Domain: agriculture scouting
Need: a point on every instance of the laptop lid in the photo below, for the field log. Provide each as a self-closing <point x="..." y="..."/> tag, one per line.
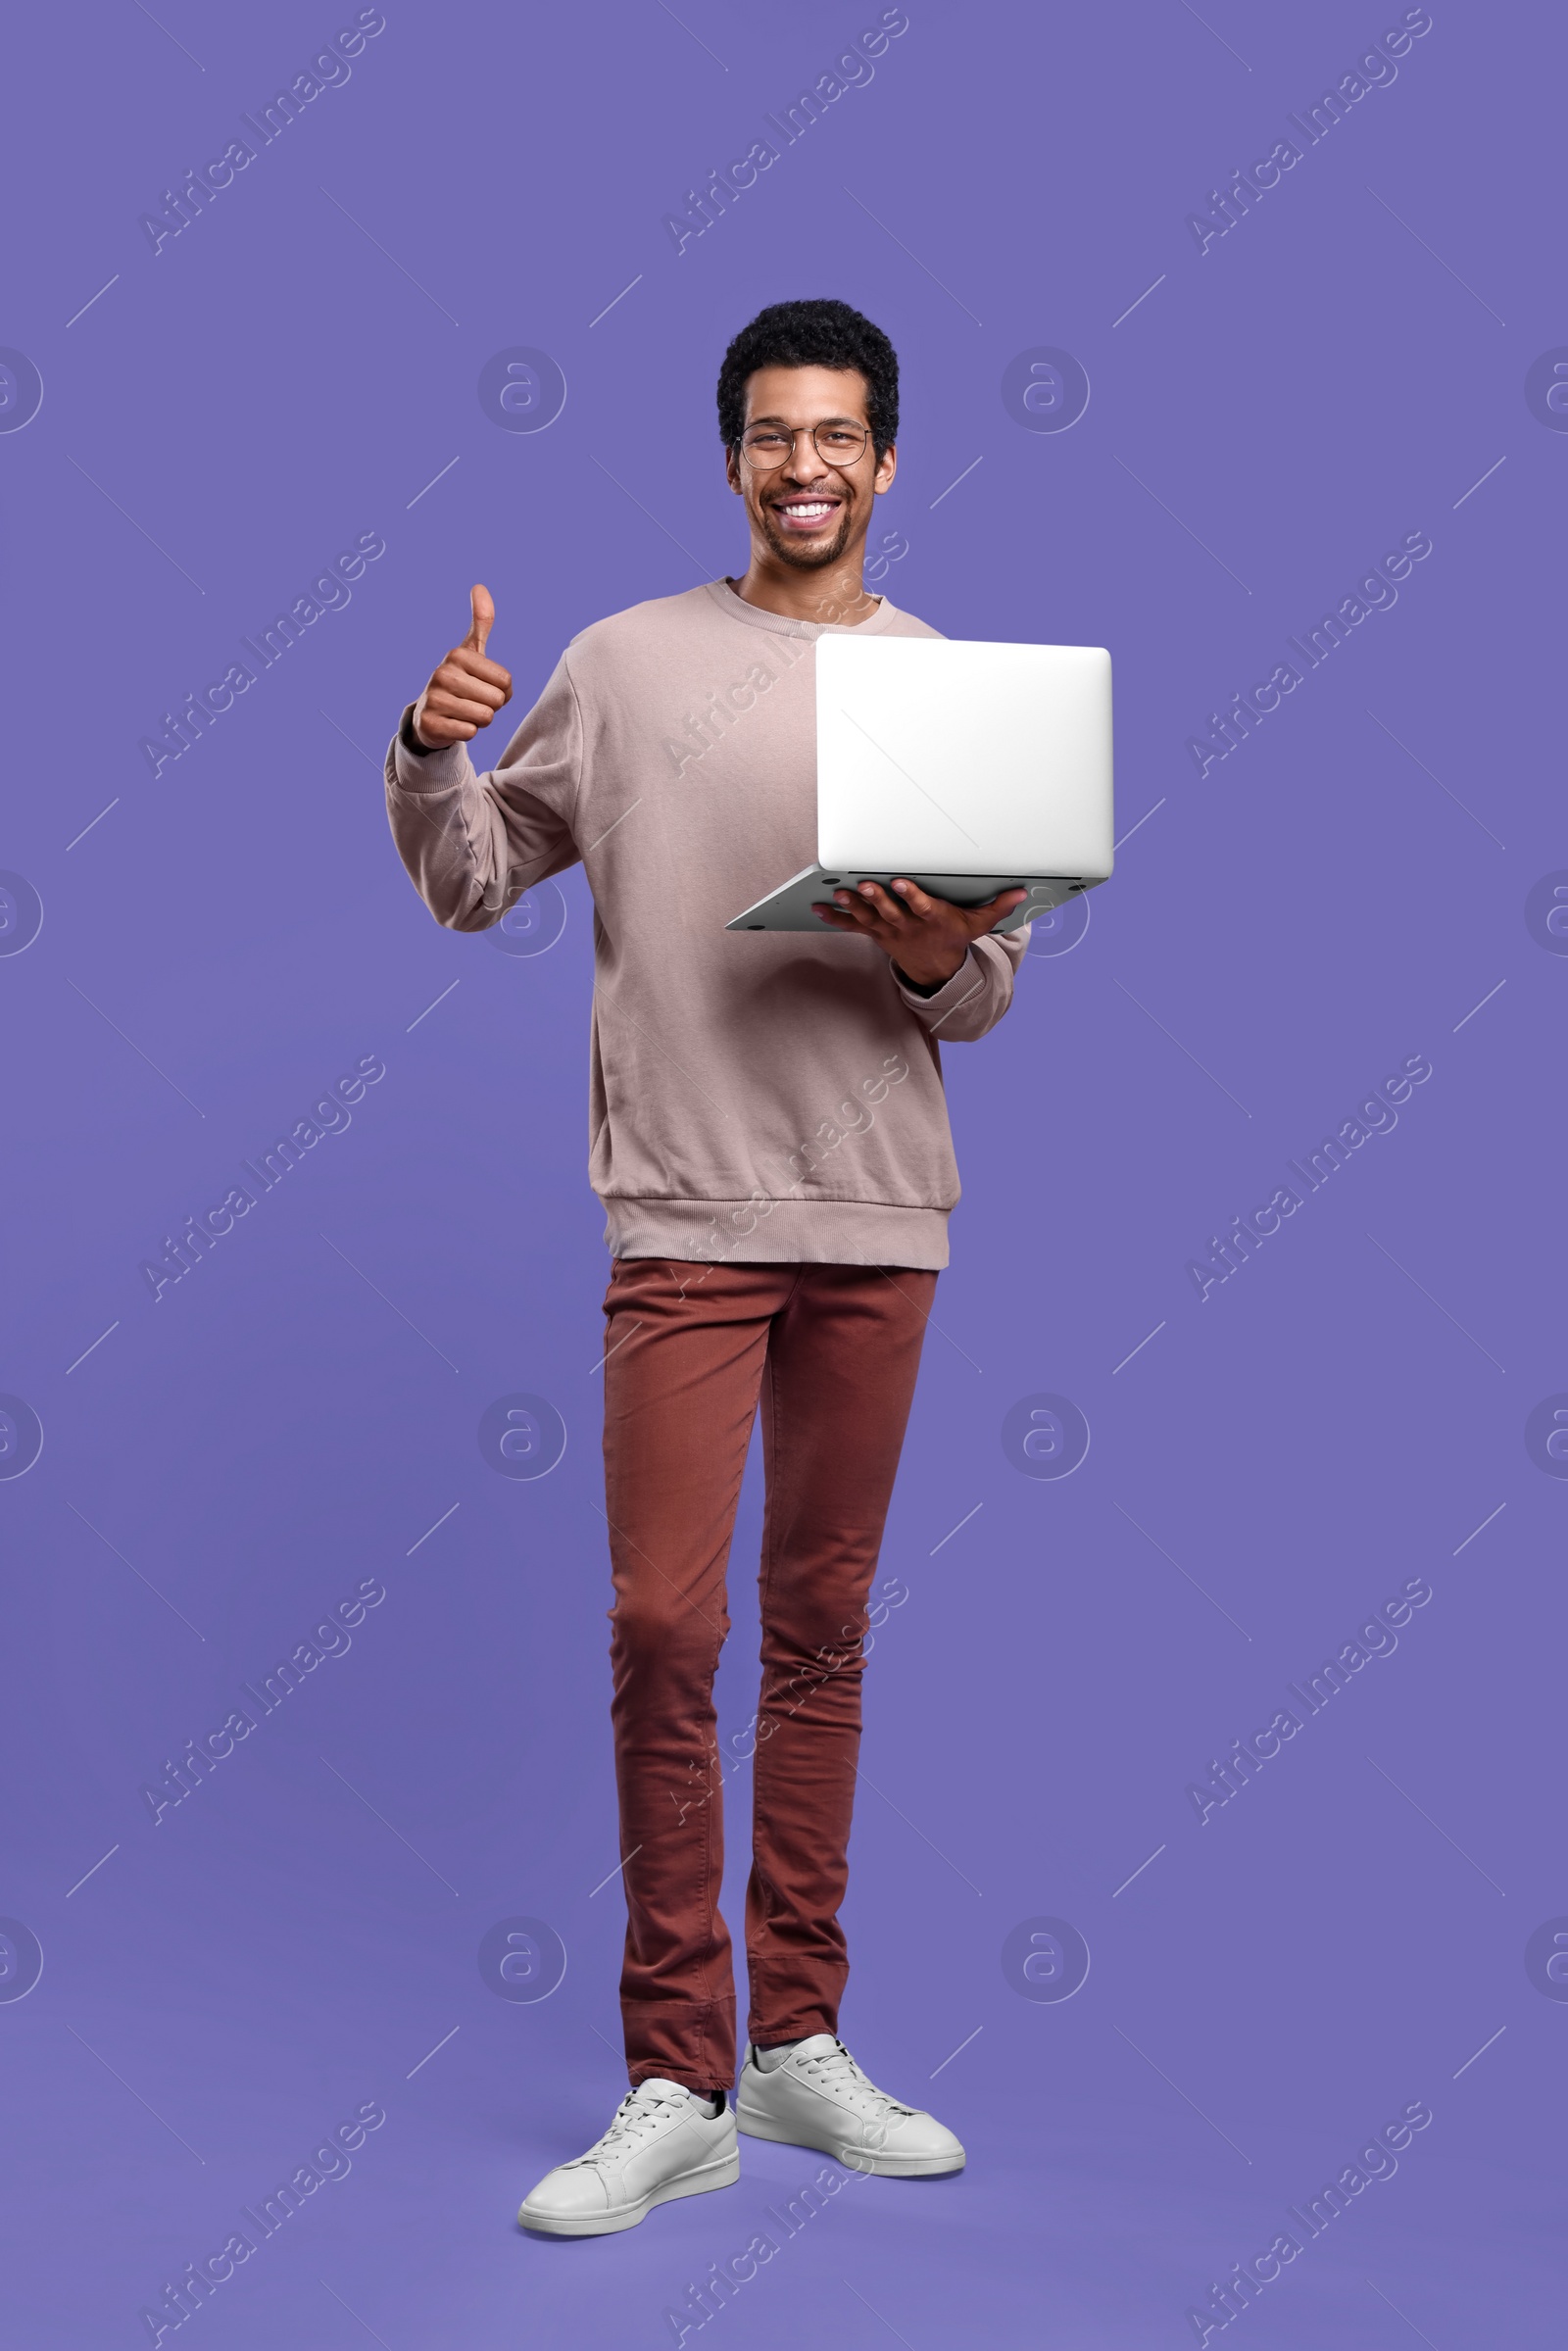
<point x="953" y="757"/>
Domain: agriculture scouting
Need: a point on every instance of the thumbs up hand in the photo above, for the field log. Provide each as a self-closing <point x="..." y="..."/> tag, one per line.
<point x="467" y="689"/>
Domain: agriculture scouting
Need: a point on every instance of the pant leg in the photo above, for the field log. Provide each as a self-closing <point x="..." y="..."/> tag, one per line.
<point x="837" y="1389"/>
<point x="684" y="1346"/>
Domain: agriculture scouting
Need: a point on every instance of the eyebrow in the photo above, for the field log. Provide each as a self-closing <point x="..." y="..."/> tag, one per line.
<point x="841" y="420"/>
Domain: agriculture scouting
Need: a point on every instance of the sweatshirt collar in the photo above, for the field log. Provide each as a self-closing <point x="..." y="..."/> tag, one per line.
<point x="736" y="607"/>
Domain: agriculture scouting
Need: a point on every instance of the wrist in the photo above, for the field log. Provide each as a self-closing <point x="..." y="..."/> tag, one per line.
<point x="926" y="982"/>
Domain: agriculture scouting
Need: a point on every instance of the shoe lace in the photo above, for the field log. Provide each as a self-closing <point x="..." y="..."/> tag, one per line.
<point x="836" y="2070"/>
<point x="637" y="2115"/>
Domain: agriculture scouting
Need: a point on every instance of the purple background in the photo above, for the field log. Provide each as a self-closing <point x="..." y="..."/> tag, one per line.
<point x="1275" y="1461"/>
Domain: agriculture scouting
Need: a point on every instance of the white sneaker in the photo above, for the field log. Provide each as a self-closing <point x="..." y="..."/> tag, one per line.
<point x="661" y="2144"/>
<point x="819" y="2098"/>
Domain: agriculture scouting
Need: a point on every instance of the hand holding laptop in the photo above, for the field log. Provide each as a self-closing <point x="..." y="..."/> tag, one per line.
<point x="927" y="938"/>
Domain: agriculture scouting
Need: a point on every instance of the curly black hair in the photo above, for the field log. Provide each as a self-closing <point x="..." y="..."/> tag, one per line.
<point x="811" y="334"/>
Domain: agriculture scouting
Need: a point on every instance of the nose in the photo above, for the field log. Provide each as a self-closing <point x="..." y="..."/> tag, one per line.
<point x="804" y="468"/>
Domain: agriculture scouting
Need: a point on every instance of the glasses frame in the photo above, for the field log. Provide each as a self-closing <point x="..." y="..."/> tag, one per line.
<point x="835" y="465"/>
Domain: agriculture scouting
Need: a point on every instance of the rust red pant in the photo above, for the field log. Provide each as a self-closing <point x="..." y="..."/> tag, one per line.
<point x="831" y="1353"/>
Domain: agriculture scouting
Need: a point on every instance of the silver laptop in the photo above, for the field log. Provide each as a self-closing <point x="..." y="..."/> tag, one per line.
<point x="967" y="768"/>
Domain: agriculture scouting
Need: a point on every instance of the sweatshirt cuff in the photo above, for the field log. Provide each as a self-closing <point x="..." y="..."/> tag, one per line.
<point x="416" y="769"/>
<point x="947" y="998"/>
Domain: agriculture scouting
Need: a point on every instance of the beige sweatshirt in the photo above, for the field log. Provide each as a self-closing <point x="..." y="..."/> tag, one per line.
<point x="754" y="1095"/>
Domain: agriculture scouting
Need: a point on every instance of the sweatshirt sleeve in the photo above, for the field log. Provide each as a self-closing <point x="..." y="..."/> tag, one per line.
<point x="979" y="991"/>
<point x="474" y="844"/>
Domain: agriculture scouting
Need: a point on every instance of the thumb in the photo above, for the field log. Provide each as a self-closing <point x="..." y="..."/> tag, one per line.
<point x="483" y="619"/>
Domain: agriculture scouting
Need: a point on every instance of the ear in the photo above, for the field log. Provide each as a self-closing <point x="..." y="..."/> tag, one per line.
<point x="733" y="472"/>
<point x="887" y="466"/>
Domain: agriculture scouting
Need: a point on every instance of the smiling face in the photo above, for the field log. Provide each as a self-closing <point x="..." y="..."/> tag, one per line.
<point x="815" y="508"/>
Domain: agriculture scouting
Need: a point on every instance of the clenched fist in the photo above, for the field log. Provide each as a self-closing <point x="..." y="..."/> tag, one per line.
<point x="467" y="691"/>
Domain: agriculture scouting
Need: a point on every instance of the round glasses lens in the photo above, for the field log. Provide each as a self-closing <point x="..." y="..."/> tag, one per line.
<point x="839" y="444"/>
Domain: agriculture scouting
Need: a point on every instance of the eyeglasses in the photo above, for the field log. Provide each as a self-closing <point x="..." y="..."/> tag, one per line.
<point x="765" y="447"/>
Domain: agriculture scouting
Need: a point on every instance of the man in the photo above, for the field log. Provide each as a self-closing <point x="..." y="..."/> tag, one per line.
<point x="769" y="1139"/>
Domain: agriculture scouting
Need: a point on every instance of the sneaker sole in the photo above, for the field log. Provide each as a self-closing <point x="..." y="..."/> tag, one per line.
<point x="722" y="2174"/>
<point x="854" y="2158"/>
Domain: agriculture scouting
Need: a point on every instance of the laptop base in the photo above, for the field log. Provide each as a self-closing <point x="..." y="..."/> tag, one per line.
<point x="789" y="908"/>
